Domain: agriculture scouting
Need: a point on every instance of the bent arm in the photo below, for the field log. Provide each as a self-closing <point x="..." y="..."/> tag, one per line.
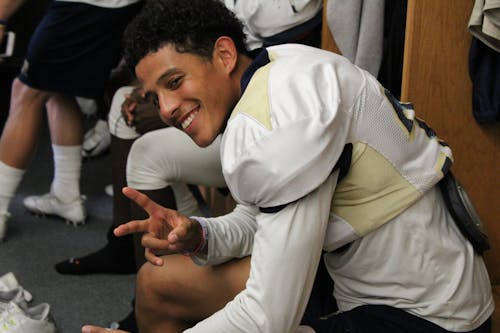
<point x="286" y="253"/>
<point x="229" y="236"/>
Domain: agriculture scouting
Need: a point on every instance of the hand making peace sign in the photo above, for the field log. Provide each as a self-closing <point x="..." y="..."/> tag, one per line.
<point x="166" y="231"/>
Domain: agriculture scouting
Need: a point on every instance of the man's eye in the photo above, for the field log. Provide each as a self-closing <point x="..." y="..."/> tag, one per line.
<point x="174" y="83"/>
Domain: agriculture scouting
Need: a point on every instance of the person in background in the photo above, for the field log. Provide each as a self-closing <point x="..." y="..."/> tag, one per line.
<point x="328" y="169"/>
<point x="63" y="61"/>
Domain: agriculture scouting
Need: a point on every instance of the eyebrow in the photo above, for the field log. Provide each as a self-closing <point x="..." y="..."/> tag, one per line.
<point x="167" y="73"/>
<point x="162" y="77"/>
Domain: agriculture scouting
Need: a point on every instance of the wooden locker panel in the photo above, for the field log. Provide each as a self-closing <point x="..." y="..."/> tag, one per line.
<point x="327" y="41"/>
<point x="436" y="80"/>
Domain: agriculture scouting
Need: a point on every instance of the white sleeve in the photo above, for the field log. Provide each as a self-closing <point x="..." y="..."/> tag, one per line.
<point x="229" y="236"/>
<point x="286" y="253"/>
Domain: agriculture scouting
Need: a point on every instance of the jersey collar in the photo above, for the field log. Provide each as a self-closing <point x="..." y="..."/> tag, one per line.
<point x="260" y="60"/>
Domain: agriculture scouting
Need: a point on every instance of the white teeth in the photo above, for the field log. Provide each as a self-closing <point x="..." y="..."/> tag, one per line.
<point x="188" y="120"/>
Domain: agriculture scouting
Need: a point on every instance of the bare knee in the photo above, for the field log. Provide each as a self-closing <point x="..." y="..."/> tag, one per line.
<point x="161" y="295"/>
<point x="23" y="94"/>
<point x="148" y="287"/>
<point x="178" y="294"/>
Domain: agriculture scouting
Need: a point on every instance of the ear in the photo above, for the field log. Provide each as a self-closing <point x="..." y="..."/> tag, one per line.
<point x="225" y="53"/>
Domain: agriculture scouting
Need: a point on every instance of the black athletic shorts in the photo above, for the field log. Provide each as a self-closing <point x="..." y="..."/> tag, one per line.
<point x="365" y="318"/>
<point x="75" y="47"/>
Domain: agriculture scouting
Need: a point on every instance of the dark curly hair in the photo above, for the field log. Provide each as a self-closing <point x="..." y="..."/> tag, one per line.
<point x="192" y="26"/>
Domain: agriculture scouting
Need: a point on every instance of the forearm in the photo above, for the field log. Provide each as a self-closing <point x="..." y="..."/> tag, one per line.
<point x="229" y="236"/>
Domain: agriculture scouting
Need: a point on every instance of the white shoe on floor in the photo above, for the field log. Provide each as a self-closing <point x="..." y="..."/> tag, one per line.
<point x="3" y="224"/>
<point x="15" y="295"/>
<point x="97" y="140"/>
<point x="18" y="318"/>
<point x="48" y="204"/>
<point x="9" y="282"/>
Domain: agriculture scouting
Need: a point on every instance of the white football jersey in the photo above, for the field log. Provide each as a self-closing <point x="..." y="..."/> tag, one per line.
<point x="303" y="113"/>
<point x="300" y="110"/>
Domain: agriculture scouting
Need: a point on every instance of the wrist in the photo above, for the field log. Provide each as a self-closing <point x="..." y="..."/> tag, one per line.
<point x="203" y="239"/>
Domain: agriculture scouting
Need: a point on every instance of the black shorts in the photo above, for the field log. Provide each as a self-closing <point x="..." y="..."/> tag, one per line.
<point x="75" y="47"/>
<point x="365" y="318"/>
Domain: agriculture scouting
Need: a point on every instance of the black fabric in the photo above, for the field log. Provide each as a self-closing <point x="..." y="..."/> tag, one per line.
<point x="464" y="214"/>
<point x="117" y="257"/>
<point x="308" y="33"/>
<point x="382" y="319"/>
<point x="391" y="68"/>
<point x="164" y="197"/>
<point x="75" y="47"/>
<point x="274" y="209"/>
<point x="204" y="207"/>
<point x="321" y="302"/>
<point x="344" y="162"/>
<point x="23" y="23"/>
<point x="261" y="59"/>
<point x="121" y="204"/>
<point x="484" y="69"/>
<point x="399" y="108"/>
<point x="323" y="316"/>
<point x="129" y="323"/>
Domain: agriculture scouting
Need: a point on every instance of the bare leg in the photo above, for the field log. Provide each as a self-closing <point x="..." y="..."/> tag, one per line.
<point x="178" y="294"/>
<point x="18" y="142"/>
<point x="65" y="121"/>
<point x="20" y="134"/>
<point x="66" y="132"/>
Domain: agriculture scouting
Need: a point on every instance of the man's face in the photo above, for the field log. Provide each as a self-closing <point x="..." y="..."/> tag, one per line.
<point x="194" y="94"/>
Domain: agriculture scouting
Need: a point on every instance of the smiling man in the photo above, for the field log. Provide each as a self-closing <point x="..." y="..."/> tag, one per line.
<point x="329" y="170"/>
<point x="194" y="93"/>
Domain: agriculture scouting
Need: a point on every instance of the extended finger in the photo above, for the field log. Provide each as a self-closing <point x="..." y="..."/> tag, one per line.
<point x="141" y="199"/>
<point x="131" y="227"/>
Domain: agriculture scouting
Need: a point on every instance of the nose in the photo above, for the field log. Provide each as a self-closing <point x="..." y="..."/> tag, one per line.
<point x="169" y="105"/>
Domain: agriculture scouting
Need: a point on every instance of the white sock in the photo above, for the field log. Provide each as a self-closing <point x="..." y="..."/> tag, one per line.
<point x="67" y="167"/>
<point x="9" y="181"/>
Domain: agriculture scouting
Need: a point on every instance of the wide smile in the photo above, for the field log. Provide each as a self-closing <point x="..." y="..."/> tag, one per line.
<point x="188" y="119"/>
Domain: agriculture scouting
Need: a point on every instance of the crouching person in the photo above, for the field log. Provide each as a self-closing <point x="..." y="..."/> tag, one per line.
<point x="328" y="169"/>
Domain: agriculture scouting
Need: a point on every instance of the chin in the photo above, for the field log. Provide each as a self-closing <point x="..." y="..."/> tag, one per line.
<point x="202" y="137"/>
<point x="202" y="142"/>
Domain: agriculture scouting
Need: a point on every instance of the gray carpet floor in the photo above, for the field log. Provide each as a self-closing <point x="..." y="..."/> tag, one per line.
<point x="34" y="244"/>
